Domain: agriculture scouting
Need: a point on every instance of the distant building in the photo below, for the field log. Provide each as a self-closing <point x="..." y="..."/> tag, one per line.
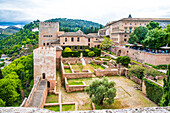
<point x="119" y="31"/>
<point x="35" y="29"/>
<point x="49" y="35"/>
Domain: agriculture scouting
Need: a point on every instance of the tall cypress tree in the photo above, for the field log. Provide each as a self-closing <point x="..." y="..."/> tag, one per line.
<point x="166" y="90"/>
<point x="1" y="76"/>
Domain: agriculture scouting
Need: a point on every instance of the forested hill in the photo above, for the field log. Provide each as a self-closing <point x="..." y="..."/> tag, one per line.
<point x="76" y="24"/>
<point x="11" y="45"/>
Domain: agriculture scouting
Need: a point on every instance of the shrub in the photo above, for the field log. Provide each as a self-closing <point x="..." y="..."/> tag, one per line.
<point x="123" y="60"/>
<point x="105" y="63"/>
<point x="67" y="49"/>
<point x="162" y="66"/>
<point x="91" y="53"/>
<point x="97" y="58"/>
<point x="152" y="72"/>
<point x="87" y="50"/>
<point x="137" y="71"/>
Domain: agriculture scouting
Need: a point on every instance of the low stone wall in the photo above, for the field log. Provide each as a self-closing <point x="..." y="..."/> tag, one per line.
<point x="73" y="75"/>
<point x="136" y="80"/>
<point x="73" y="88"/>
<point x="71" y="60"/>
<point x="106" y="72"/>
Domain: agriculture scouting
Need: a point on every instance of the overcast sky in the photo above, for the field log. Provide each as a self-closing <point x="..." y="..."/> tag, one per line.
<point x="101" y="11"/>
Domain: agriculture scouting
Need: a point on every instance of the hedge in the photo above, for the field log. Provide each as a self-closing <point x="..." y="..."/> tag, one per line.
<point x="77" y="53"/>
<point x="154" y="92"/>
<point x="158" y="66"/>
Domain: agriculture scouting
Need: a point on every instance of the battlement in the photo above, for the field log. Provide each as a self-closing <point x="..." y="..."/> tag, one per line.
<point x="45" y="50"/>
<point x="49" y="24"/>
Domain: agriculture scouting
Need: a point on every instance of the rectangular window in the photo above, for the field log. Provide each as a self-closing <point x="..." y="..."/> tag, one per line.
<point x="125" y="30"/>
<point x="75" y="47"/>
<point x="81" y="47"/>
<point x="47" y="44"/>
<point x="65" y="39"/>
<point x="78" y="39"/>
<point x="43" y="44"/>
<point x="130" y="30"/>
<point x="88" y="39"/>
<point x="72" y="39"/>
<point x="125" y="40"/>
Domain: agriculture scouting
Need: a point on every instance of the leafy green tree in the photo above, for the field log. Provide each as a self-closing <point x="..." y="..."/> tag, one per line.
<point x="106" y="43"/>
<point x="2" y="103"/>
<point x="91" y="53"/>
<point x="166" y="90"/>
<point x="87" y="50"/>
<point x="1" y="76"/>
<point x="137" y="71"/>
<point x="67" y="49"/>
<point x="123" y="60"/>
<point x="155" y="38"/>
<point x="152" y="72"/>
<point x="102" y="90"/>
<point x="153" y="25"/>
<point x="138" y="35"/>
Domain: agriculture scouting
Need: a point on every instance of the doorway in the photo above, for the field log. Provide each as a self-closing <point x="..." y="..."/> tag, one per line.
<point x="43" y="75"/>
<point x="48" y="84"/>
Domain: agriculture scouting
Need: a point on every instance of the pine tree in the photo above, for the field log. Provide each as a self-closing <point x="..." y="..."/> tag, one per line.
<point x="166" y="90"/>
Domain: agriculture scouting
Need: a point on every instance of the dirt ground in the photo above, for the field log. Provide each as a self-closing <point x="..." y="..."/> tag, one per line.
<point x="127" y="95"/>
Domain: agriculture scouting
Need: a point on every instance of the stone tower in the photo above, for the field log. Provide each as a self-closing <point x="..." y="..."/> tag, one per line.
<point x="48" y="33"/>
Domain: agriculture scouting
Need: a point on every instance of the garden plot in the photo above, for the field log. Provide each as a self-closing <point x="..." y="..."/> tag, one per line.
<point x="52" y="98"/>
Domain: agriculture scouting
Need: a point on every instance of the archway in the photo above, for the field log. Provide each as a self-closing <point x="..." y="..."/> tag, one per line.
<point x="48" y="84"/>
<point x="43" y="75"/>
<point x="119" y="52"/>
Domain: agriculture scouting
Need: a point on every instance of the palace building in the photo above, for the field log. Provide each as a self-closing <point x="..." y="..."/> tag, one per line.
<point x="49" y="35"/>
<point x="119" y="31"/>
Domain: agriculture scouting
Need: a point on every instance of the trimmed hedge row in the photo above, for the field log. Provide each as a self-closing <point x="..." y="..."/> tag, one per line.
<point x="77" y="53"/>
<point x="154" y="92"/>
<point x="158" y="66"/>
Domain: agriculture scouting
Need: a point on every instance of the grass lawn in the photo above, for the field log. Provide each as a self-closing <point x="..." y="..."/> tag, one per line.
<point x="67" y="70"/>
<point x="136" y="62"/>
<point x="68" y="107"/>
<point x="75" y="82"/>
<point x="66" y="65"/>
<point x="77" y="67"/>
<point x="95" y="66"/>
<point x="53" y="108"/>
<point x="52" y="98"/>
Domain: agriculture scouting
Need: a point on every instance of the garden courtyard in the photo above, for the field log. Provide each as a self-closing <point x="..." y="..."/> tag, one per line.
<point x="127" y="96"/>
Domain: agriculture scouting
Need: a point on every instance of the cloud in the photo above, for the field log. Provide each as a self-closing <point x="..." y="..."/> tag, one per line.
<point x="93" y="10"/>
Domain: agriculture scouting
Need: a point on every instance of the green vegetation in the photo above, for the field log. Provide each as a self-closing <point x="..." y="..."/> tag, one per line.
<point x="85" y="53"/>
<point x="95" y="66"/>
<point x="17" y="80"/>
<point x="153" y="91"/>
<point x="101" y="90"/>
<point x="67" y="49"/>
<point x="67" y="70"/>
<point x="106" y="43"/>
<point x="68" y="107"/>
<point x="75" y="83"/>
<point x="52" y="98"/>
<point x="158" y="66"/>
<point x="166" y="90"/>
<point x="152" y="36"/>
<point x="91" y="53"/>
<point x="136" y="70"/>
<point x="53" y="108"/>
<point x="136" y="62"/>
<point x="73" y="25"/>
<point x="123" y="60"/>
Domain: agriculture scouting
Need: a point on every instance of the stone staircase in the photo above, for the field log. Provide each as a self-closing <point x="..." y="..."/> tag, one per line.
<point x="38" y="95"/>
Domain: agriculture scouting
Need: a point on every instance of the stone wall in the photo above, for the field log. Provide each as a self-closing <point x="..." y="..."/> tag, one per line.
<point x="143" y="57"/>
<point x="73" y="88"/>
<point x="73" y="75"/>
<point x="106" y="72"/>
<point x="136" y="80"/>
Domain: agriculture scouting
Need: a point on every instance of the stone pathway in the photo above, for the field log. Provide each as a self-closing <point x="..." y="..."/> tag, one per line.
<point x="37" y="97"/>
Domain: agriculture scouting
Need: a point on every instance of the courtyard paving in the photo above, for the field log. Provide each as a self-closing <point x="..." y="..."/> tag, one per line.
<point x="127" y="95"/>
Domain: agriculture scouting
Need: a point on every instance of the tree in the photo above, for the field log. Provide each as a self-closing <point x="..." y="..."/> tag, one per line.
<point x="67" y="49"/>
<point x="101" y="90"/>
<point x="152" y="72"/>
<point x="1" y="76"/>
<point x="155" y="38"/>
<point x="138" y="35"/>
<point x="106" y="43"/>
<point x="166" y="90"/>
<point x="137" y="71"/>
<point x="91" y="53"/>
<point x="123" y="60"/>
<point x="153" y="25"/>
<point x="2" y="103"/>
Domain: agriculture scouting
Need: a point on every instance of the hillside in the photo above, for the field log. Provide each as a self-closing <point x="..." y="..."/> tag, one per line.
<point x="11" y="45"/>
<point x="9" y="30"/>
<point x="76" y="24"/>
